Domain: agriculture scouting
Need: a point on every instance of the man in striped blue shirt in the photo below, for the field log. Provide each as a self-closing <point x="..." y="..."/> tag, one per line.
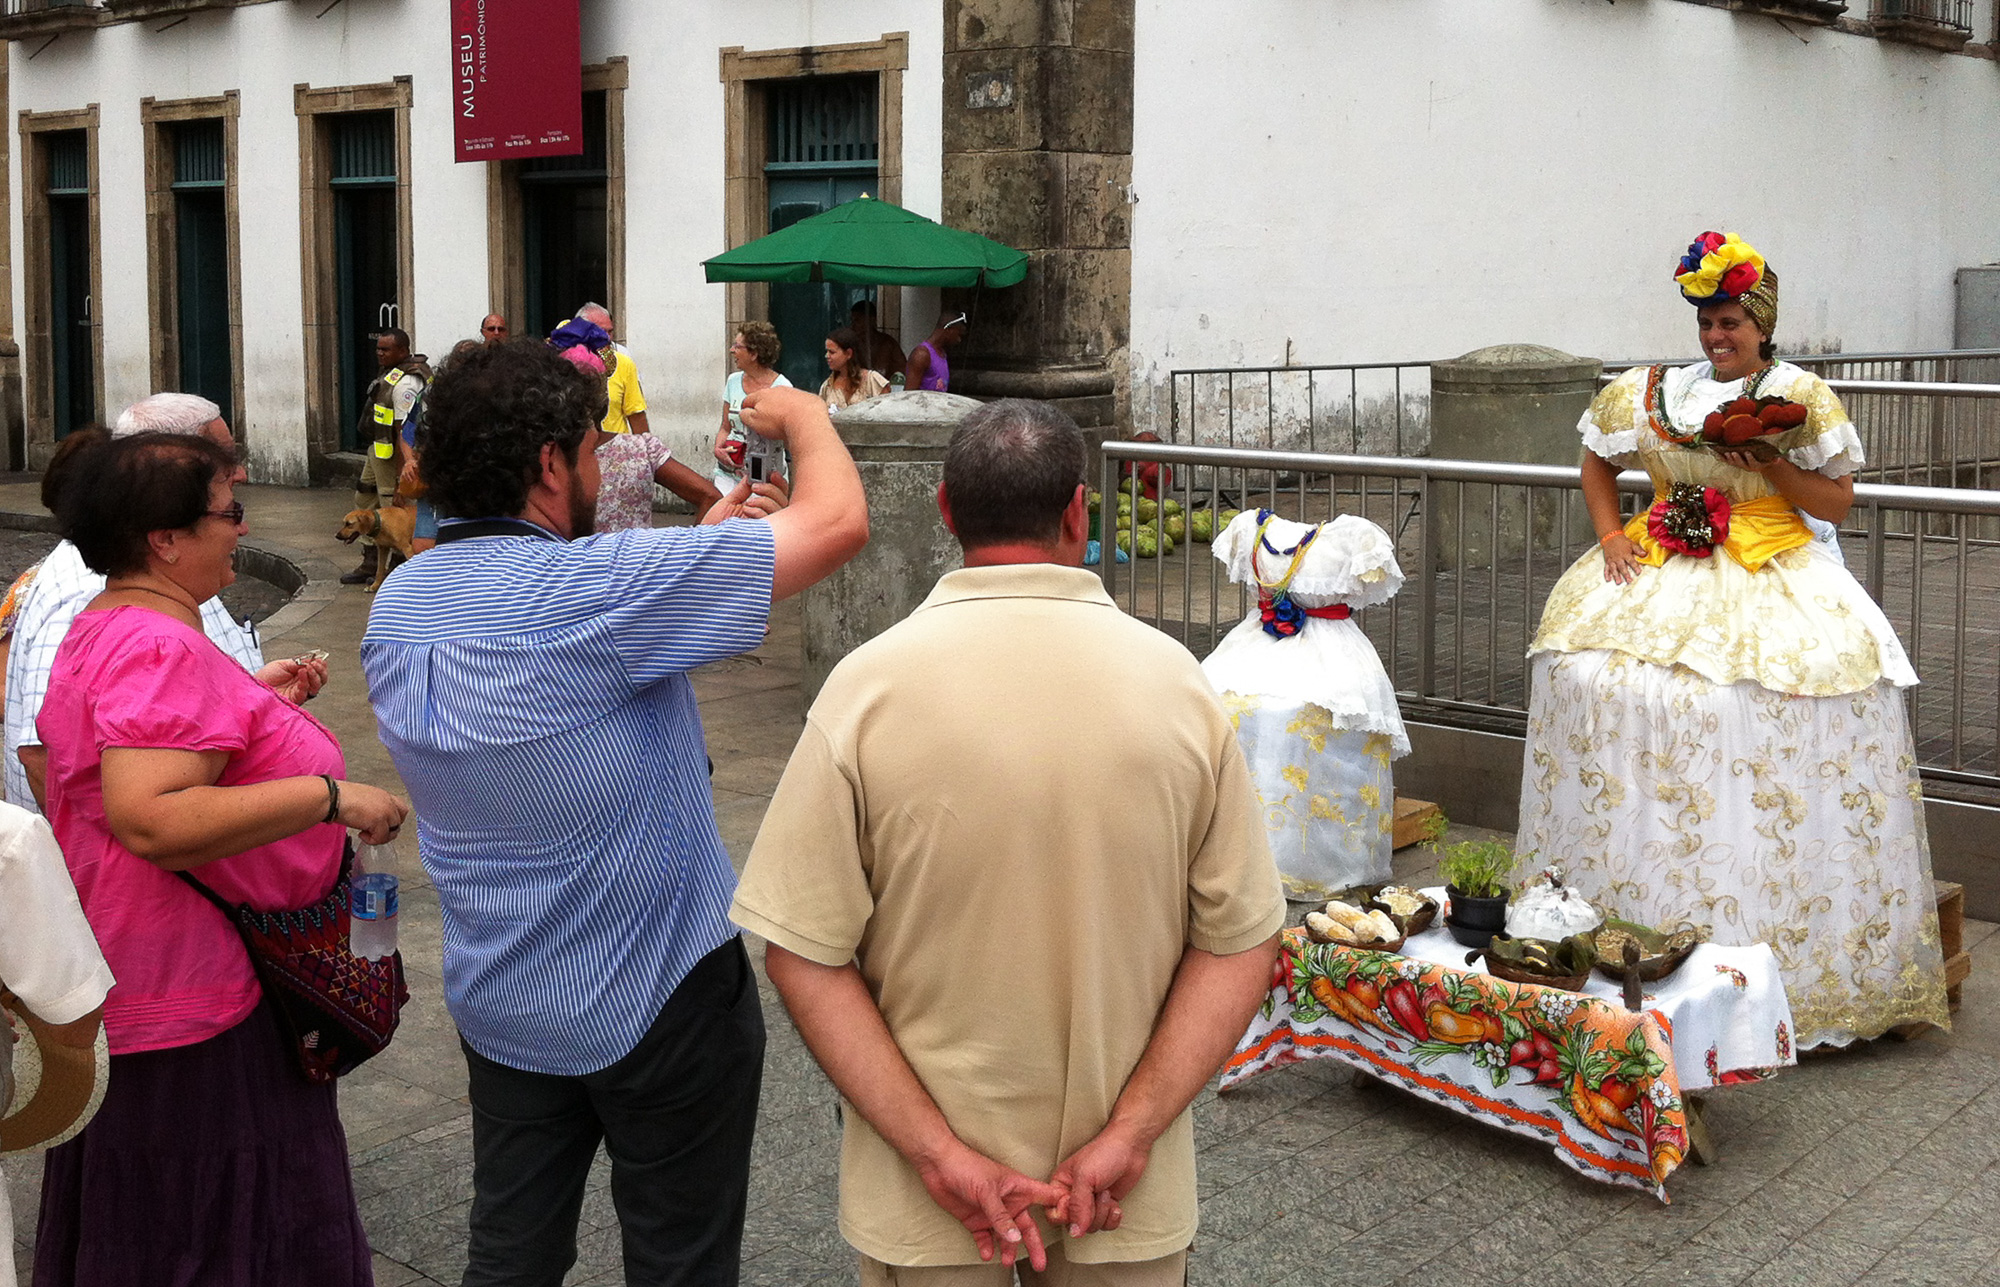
<point x="530" y="681"/>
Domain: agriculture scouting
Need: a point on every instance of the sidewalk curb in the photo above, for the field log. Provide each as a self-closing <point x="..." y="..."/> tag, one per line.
<point x="311" y="580"/>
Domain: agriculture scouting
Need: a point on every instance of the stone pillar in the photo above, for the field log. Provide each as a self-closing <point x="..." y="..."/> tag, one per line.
<point x="1511" y="402"/>
<point x="898" y="443"/>
<point x="1038" y="154"/>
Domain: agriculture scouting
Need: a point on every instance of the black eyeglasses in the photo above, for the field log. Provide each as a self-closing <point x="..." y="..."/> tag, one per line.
<point x="234" y="513"/>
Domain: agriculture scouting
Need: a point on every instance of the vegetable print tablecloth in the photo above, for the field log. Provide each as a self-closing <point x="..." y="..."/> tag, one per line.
<point x="1600" y="1082"/>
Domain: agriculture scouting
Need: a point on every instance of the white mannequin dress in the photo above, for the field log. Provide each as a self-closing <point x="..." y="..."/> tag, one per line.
<point x="1315" y="712"/>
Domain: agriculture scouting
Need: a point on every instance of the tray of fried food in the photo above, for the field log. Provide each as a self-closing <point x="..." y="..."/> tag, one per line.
<point x="1760" y="427"/>
<point x="1661" y="952"/>
<point x="1346" y="925"/>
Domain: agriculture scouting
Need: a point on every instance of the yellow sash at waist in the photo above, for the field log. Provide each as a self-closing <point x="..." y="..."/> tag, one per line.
<point x="1759" y="531"/>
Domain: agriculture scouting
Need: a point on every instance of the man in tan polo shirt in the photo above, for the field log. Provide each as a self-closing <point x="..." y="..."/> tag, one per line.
<point x="1018" y="899"/>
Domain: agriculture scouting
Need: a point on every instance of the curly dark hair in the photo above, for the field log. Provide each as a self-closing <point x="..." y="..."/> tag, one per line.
<point x="761" y="338"/>
<point x="1011" y="469"/>
<point x="120" y="490"/>
<point x="487" y="416"/>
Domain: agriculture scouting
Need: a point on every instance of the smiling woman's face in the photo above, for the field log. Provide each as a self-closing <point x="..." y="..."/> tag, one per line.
<point x="1730" y="340"/>
<point x="207" y="560"/>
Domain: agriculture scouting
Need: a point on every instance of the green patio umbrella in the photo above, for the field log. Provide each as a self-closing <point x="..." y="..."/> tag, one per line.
<point x="866" y="242"/>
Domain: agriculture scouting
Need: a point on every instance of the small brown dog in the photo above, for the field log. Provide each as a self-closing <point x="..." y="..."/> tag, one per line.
<point x="393" y="529"/>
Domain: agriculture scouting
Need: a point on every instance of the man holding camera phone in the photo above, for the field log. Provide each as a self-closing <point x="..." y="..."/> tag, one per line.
<point x="532" y="688"/>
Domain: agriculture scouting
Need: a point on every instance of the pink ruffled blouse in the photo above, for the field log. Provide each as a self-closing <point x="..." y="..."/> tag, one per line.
<point x="132" y="677"/>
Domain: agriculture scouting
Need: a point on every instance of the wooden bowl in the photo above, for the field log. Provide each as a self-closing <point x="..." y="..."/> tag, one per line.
<point x="1655" y="964"/>
<point x="1501" y="968"/>
<point x="1368" y="898"/>
<point x="1393" y="945"/>
<point x="1416" y="922"/>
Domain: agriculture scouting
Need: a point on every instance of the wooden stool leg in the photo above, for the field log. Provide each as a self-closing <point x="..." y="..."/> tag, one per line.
<point x="1701" y="1148"/>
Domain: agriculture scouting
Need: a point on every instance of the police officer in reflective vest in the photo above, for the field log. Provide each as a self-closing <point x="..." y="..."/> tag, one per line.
<point x="402" y="381"/>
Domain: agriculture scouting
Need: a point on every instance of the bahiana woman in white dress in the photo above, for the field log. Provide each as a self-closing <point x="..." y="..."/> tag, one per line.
<point x="1314" y="711"/>
<point x="1720" y="739"/>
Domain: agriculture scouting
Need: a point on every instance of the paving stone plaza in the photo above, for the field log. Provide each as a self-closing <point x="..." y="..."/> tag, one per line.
<point x="1880" y="1164"/>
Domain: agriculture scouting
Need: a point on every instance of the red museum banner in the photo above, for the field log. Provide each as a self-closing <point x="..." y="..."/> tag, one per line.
<point x="516" y="79"/>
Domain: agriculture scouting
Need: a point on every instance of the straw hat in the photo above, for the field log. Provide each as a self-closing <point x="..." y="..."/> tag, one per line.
<point x="56" y="1088"/>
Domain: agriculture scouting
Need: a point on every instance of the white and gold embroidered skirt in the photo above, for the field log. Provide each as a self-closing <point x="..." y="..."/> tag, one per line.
<point x="1757" y="815"/>
<point x="1328" y="794"/>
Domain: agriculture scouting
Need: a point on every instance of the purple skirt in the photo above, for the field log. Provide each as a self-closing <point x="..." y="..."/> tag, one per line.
<point x="211" y="1165"/>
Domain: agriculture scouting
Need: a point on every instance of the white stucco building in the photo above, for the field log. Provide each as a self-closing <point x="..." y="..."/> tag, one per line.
<point x="230" y="195"/>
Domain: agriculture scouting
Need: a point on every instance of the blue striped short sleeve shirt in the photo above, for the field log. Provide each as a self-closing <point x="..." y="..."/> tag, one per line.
<point x="534" y="696"/>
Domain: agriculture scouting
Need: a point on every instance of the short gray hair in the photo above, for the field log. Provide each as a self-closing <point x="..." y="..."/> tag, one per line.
<point x="182" y="413"/>
<point x="1011" y="469"/>
<point x="592" y="307"/>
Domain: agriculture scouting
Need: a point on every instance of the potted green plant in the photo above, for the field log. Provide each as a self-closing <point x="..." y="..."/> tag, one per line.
<point x="1477" y="875"/>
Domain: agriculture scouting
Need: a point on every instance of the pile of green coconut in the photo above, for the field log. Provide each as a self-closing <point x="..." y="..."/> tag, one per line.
<point x="1150" y="529"/>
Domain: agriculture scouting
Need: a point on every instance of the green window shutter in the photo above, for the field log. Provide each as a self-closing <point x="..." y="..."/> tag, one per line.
<point x="822" y="123"/>
<point x="198" y="156"/>
<point x="364" y="148"/>
<point x="69" y="163"/>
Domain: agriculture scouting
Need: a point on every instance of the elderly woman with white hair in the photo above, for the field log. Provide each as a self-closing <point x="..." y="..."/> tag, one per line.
<point x="64" y="585"/>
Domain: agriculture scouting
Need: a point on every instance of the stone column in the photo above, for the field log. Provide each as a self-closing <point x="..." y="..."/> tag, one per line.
<point x="1511" y="402"/>
<point x="897" y="442"/>
<point x="1038" y="154"/>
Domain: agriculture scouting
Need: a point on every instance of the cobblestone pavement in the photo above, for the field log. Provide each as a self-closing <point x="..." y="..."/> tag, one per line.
<point x="1880" y="1164"/>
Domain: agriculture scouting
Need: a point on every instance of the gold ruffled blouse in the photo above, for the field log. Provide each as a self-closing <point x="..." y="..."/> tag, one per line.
<point x="1798" y="624"/>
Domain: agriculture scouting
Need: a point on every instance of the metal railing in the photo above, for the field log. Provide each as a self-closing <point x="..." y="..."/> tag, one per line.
<point x="1924" y="434"/>
<point x="1481" y="545"/>
<point x="1364" y="408"/>
<point x="1952" y="15"/>
<point x="1927" y="419"/>
<point x="1940" y="366"/>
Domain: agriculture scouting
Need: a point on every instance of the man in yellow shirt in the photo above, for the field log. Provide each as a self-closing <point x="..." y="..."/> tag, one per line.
<point x="625" y="409"/>
<point x="1018" y="899"/>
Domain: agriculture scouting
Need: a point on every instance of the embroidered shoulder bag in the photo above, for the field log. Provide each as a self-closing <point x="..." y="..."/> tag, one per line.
<point x="339" y="1010"/>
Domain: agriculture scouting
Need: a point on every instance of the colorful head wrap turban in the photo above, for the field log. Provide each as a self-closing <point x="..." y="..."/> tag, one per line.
<point x="1721" y="268"/>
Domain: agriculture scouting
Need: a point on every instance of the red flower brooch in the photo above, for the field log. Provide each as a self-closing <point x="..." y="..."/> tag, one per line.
<point x="1692" y="520"/>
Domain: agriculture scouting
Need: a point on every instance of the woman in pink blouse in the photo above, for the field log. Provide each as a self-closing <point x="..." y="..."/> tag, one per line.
<point x="213" y="1159"/>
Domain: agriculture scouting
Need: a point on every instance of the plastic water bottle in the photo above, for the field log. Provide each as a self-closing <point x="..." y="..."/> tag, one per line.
<point x="371" y="931"/>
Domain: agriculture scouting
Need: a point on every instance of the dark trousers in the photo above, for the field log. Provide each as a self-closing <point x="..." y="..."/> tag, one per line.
<point x="676" y="1115"/>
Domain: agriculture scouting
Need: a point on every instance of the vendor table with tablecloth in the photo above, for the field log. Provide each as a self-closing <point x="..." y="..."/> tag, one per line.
<point x="1604" y="1084"/>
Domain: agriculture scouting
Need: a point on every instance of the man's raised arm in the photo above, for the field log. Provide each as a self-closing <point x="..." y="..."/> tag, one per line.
<point x="826" y="523"/>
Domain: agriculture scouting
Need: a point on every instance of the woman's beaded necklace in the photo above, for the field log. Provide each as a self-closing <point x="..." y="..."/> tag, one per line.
<point x="1662" y="418"/>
